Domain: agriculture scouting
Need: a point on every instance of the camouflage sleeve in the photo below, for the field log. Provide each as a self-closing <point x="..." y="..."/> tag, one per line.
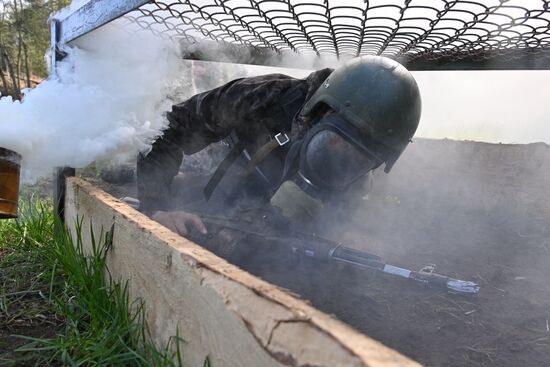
<point x="239" y="105"/>
<point x="201" y="120"/>
<point x="156" y="170"/>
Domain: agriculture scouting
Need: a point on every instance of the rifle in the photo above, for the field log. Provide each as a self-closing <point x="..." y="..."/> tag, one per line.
<point x="319" y="248"/>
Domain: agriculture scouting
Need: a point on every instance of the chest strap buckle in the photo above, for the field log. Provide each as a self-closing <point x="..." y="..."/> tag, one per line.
<point x="282" y="139"/>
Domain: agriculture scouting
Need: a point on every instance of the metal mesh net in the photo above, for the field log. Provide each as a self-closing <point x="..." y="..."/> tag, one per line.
<point x="407" y="29"/>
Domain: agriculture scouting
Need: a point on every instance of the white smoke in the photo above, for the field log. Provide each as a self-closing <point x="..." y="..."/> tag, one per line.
<point x="108" y="100"/>
<point x="489" y="106"/>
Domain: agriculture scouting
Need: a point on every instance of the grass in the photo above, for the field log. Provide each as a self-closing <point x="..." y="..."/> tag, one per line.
<point x="50" y="287"/>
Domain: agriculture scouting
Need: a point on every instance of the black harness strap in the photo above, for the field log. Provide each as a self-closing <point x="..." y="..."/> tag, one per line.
<point x="289" y="102"/>
<point x="222" y="168"/>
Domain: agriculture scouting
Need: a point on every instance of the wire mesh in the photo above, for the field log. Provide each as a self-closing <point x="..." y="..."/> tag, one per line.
<point x="400" y="29"/>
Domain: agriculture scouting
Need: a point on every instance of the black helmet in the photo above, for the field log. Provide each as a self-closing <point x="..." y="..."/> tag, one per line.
<point x="379" y="98"/>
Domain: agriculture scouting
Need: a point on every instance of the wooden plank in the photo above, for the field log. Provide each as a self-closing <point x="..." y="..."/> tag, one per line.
<point x="219" y="309"/>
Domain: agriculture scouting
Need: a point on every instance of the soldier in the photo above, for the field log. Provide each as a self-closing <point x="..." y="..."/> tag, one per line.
<point x="294" y="143"/>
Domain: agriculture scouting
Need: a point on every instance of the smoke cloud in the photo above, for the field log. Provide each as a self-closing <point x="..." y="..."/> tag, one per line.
<point x="108" y="100"/>
<point x="487" y="106"/>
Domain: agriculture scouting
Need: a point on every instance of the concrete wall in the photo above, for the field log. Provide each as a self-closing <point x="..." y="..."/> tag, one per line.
<point x="220" y="311"/>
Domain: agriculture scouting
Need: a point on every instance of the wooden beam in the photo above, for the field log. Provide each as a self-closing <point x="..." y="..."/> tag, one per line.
<point x="218" y="309"/>
<point x="521" y="59"/>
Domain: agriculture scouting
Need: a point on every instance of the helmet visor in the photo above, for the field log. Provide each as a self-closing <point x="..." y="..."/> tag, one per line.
<point x="334" y="162"/>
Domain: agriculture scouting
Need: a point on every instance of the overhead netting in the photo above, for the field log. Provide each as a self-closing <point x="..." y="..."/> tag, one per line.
<point x="406" y="29"/>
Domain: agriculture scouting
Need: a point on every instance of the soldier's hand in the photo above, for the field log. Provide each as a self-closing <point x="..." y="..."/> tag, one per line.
<point x="179" y="221"/>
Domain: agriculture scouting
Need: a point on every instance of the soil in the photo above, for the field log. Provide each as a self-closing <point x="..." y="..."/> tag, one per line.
<point x="28" y="317"/>
<point x="479" y="212"/>
<point x="505" y="325"/>
<point x="10" y="340"/>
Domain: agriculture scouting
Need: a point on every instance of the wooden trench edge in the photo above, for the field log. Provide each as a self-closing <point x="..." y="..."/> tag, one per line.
<point x="361" y="348"/>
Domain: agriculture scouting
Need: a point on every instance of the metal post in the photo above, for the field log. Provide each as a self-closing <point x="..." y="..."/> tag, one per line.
<point x="59" y="188"/>
<point x="61" y="173"/>
<point x="55" y="55"/>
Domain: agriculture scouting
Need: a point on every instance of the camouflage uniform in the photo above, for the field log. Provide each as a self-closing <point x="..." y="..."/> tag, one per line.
<point x="253" y="109"/>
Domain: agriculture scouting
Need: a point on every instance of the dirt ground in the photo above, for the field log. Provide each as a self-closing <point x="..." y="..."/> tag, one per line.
<point x="479" y="212"/>
<point x="10" y="340"/>
<point x="505" y="325"/>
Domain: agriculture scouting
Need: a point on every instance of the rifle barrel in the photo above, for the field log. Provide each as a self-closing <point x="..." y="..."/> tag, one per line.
<point x="324" y="249"/>
<point x="452" y="285"/>
<point x="340" y="253"/>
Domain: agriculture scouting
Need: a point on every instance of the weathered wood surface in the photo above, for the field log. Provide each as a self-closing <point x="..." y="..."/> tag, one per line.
<point x="219" y="310"/>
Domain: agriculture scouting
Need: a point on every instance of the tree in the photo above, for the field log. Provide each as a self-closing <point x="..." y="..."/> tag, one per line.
<point x="24" y="40"/>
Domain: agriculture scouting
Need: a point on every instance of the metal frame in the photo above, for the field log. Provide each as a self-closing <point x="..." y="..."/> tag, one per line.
<point x="498" y="60"/>
<point x="511" y="60"/>
<point x="93" y="15"/>
<point x="96" y="13"/>
<point x="61" y="173"/>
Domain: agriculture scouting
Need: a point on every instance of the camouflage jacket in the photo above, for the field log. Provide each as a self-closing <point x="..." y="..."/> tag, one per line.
<point x="252" y="108"/>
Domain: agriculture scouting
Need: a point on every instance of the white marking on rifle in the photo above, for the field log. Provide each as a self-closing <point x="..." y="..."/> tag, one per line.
<point x="396" y="271"/>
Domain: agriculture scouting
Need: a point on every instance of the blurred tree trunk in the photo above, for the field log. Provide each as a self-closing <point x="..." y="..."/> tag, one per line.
<point x="15" y="92"/>
<point x="18" y="25"/>
<point x="18" y="63"/>
<point x="25" y="50"/>
<point x="3" y="67"/>
<point x="24" y="39"/>
<point x="27" y="67"/>
<point x="3" y="63"/>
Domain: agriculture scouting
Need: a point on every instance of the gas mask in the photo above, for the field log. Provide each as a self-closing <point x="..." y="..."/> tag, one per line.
<point x="334" y="154"/>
